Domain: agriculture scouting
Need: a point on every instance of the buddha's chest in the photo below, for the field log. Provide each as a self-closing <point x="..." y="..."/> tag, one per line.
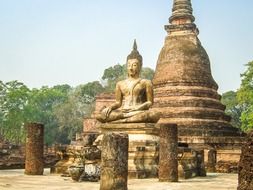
<point x="133" y="89"/>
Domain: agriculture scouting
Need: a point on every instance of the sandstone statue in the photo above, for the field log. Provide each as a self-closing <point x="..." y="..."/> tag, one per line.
<point x="134" y="96"/>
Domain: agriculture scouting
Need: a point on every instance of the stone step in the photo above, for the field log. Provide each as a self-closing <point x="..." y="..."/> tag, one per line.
<point x="188" y="101"/>
<point x="194" y="113"/>
<point x="178" y="91"/>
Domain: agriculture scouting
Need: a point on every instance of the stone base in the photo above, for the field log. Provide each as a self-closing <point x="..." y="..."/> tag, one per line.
<point x="205" y="142"/>
<point x="143" y="147"/>
<point x="62" y="166"/>
<point x="190" y="163"/>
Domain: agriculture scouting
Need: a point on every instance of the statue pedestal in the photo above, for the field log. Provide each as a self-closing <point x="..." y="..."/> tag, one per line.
<point x="143" y="147"/>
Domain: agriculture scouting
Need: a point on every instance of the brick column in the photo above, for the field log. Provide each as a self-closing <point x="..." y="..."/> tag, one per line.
<point x="245" y="167"/>
<point x="114" y="163"/>
<point x="168" y="164"/>
<point x="34" y="161"/>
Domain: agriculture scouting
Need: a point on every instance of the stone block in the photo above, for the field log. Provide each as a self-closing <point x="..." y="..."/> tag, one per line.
<point x="114" y="163"/>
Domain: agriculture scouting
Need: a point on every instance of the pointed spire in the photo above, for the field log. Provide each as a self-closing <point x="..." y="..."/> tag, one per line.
<point x="182" y="10"/>
<point x="182" y="18"/>
<point x="135" y="53"/>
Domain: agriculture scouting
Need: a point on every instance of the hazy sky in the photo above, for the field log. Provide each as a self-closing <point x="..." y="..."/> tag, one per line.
<point x="50" y="42"/>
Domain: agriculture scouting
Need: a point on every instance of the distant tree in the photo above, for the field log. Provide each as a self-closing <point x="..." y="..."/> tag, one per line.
<point x="69" y="116"/>
<point x="112" y="75"/>
<point x="233" y="108"/>
<point x="40" y="109"/>
<point x="147" y="73"/>
<point x="245" y="97"/>
<point x="88" y="91"/>
<point x="14" y="96"/>
<point x="80" y="104"/>
<point x="115" y="72"/>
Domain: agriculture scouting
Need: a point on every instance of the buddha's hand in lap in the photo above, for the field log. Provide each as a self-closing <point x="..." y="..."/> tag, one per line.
<point x="106" y="112"/>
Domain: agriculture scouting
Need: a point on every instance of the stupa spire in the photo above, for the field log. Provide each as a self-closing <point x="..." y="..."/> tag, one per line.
<point x="182" y="19"/>
<point x="182" y="10"/>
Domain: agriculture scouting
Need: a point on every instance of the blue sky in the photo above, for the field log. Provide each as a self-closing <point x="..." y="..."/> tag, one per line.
<point x="50" y="42"/>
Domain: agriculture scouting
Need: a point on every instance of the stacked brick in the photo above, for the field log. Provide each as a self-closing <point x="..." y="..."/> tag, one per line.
<point x="168" y="164"/>
<point x="226" y="167"/>
<point x="11" y="156"/>
<point x="34" y="161"/>
<point x="245" y="177"/>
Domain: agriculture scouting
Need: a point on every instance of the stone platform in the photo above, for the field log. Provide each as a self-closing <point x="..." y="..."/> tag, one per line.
<point x="16" y="180"/>
<point x="143" y="147"/>
<point x="144" y="151"/>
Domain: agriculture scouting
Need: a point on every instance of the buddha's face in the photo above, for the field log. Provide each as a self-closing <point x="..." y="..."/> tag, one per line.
<point x="133" y="67"/>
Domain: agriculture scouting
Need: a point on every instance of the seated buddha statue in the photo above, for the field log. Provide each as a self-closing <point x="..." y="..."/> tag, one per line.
<point x="134" y="96"/>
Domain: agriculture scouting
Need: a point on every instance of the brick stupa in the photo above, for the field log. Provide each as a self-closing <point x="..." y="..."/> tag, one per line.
<point x="184" y="89"/>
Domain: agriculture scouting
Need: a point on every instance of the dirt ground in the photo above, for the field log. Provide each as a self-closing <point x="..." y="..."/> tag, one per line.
<point x="16" y="180"/>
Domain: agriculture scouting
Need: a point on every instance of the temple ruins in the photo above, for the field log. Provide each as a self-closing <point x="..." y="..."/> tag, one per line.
<point x="186" y="93"/>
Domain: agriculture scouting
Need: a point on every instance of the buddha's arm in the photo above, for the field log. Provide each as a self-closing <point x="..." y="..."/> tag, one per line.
<point x="118" y="102"/>
<point x="118" y="97"/>
<point x="149" y="93"/>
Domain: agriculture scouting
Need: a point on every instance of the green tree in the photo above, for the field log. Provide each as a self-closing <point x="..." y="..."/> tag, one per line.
<point x="112" y="75"/>
<point x="70" y="116"/>
<point x="80" y="104"/>
<point x="14" y="96"/>
<point x="147" y="73"/>
<point x="245" y="97"/>
<point x="233" y="108"/>
<point x="40" y="109"/>
<point x="88" y="91"/>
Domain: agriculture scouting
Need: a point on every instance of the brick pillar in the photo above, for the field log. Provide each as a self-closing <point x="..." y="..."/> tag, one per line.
<point x="34" y="161"/>
<point x="168" y="164"/>
<point x="114" y="162"/>
<point x="245" y="167"/>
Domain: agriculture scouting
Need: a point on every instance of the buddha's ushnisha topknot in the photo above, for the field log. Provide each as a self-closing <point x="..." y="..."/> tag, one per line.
<point x="135" y="54"/>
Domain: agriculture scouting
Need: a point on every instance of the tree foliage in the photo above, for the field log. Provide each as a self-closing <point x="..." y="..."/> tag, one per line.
<point x="112" y="75"/>
<point x="20" y="105"/>
<point x="13" y="100"/>
<point x="40" y="108"/>
<point x="233" y="108"/>
<point x="80" y="104"/>
<point x="245" y="97"/>
<point x="147" y="73"/>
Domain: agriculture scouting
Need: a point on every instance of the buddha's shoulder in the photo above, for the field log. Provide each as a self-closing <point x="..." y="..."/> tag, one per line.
<point x="121" y="82"/>
<point x="142" y="81"/>
<point x="146" y="81"/>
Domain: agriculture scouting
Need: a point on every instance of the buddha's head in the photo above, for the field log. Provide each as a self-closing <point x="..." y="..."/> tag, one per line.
<point x="134" y="62"/>
<point x="133" y="67"/>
